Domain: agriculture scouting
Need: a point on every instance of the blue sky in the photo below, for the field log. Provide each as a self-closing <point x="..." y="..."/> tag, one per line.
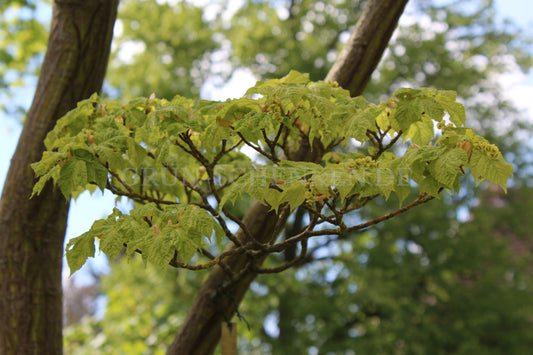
<point x="520" y="11"/>
<point x="86" y="209"/>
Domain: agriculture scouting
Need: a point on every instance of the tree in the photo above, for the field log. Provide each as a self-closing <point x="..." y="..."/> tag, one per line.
<point x="172" y="57"/>
<point x="32" y="231"/>
<point x="80" y="153"/>
<point x="96" y="141"/>
<point x="200" y="331"/>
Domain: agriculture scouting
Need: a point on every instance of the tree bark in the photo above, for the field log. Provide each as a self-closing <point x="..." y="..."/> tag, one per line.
<point x="368" y="40"/>
<point x="32" y="231"/>
<point x="200" y="332"/>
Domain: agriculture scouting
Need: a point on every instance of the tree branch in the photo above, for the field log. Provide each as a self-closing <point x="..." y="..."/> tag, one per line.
<point x="200" y="332"/>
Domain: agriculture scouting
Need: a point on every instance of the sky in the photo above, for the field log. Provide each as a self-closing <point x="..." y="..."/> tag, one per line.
<point x="520" y="11"/>
<point x="88" y="208"/>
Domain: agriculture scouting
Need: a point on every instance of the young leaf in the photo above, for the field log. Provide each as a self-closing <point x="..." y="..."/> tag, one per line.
<point x="448" y="165"/>
<point x="294" y="195"/>
<point x="421" y="132"/>
<point x="39" y="186"/>
<point x="408" y="110"/>
<point x="365" y="120"/>
<point x="430" y="186"/>
<point x="78" y="250"/>
<point x="73" y="174"/>
<point x="484" y="167"/>
<point x="456" y="110"/>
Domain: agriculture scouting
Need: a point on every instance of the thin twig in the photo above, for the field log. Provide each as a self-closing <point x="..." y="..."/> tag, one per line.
<point x="258" y="149"/>
<point x="423" y="198"/>
<point x="287" y="265"/>
<point x="137" y="197"/>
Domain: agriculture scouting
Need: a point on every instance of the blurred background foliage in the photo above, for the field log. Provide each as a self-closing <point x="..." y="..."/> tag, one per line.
<point x="453" y="277"/>
<point x="23" y="38"/>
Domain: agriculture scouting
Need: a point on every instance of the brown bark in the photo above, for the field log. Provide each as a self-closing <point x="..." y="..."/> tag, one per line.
<point x="229" y="338"/>
<point x="32" y="231"/>
<point x="200" y="332"/>
<point x="362" y="53"/>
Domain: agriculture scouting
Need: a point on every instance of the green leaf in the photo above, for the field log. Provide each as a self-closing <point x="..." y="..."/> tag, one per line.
<point x="340" y="178"/>
<point x="415" y="161"/>
<point x="483" y="167"/>
<point x="364" y="120"/>
<point x="407" y="113"/>
<point x="448" y="165"/>
<point x="294" y="195"/>
<point x="78" y="250"/>
<point x="214" y="134"/>
<point x="96" y="173"/>
<point x="47" y="162"/>
<point x="256" y="183"/>
<point x="157" y="248"/>
<point x="231" y="193"/>
<point x="384" y="180"/>
<point x="456" y="110"/>
<point x="420" y="132"/>
<point x="293" y="170"/>
<point x="429" y="107"/>
<point x="250" y="125"/>
<point x="112" y="156"/>
<point x="185" y="246"/>
<point x="113" y="232"/>
<point x="295" y="77"/>
<point x="39" y="186"/>
<point x="162" y="151"/>
<point x="430" y="186"/>
<point x="73" y="174"/>
<point x="402" y="191"/>
<point x="83" y="154"/>
<point x="136" y="153"/>
<point x="272" y="198"/>
<point x="196" y="219"/>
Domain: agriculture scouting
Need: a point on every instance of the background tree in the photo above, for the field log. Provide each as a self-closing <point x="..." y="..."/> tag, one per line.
<point x="22" y="44"/>
<point x="171" y="48"/>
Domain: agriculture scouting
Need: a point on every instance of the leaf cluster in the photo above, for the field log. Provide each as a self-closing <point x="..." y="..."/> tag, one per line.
<point x="184" y="161"/>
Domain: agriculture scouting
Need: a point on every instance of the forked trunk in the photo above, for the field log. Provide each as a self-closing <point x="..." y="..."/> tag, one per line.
<point x="200" y="332"/>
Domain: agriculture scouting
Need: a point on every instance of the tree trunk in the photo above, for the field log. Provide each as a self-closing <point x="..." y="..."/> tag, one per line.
<point x="32" y="231"/>
<point x="362" y="53"/>
<point x="200" y="332"/>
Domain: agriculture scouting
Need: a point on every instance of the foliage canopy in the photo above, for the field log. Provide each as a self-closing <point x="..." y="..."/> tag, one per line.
<point x="182" y="162"/>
